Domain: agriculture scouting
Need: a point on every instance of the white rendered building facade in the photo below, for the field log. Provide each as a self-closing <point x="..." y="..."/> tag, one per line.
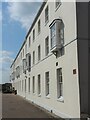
<point x="46" y="69"/>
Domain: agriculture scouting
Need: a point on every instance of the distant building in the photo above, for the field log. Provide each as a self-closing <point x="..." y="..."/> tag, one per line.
<point x="52" y="67"/>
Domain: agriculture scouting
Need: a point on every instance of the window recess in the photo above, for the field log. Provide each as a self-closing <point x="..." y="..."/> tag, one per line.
<point x="56" y="35"/>
<point x="47" y="83"/>
<point x="18" y="72"/>
<point x="59" y="84"/>
<point x="13" y="76"/>
<point x="24" y="66"/>
<point x="28" y="62"/>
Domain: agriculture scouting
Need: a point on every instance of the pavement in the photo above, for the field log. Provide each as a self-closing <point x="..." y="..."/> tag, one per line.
<point x="14" y="106"/>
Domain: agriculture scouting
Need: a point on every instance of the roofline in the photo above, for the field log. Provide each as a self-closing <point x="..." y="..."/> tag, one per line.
<point x="38" y="14"/>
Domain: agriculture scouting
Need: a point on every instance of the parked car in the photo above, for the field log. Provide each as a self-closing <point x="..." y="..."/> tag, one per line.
<point x="7" y="88"/>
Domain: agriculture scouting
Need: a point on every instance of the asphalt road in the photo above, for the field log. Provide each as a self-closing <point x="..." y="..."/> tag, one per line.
<point x="14" y="106"/>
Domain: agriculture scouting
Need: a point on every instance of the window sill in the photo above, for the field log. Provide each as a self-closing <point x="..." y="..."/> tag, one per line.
<point x="57" y="7"/>
<point x="39" y="95"/>
<point x="48" y="96"/>
<point x="61" y="99"/>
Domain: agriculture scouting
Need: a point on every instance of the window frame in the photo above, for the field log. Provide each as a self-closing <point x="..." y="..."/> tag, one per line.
<point x="29" y="41"/>
<point x="53" y="36"/>
<point x="47" y="46"/>
<point x="33" y="35"/>
<point x="33" y="86"/>
<point x="59" y="84"/>
<point x="46" y="14"/>
<point x="29" y="84"/>
<point x="33" y="57"/>
<point x="39" y="84"/>
<point x="47" y="83"/>
<point x="39" y="26"/>
<point x="39" y="53"/>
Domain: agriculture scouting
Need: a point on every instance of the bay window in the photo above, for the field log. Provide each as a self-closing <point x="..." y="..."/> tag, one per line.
<point x="57" y="34"/>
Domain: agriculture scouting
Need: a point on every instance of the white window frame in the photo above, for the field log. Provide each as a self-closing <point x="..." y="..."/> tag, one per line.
<point x="53" y="35"/>
<point x="22" y="84"/>
<point x="59" y="84"/>
<point x="23" y="52"/>
<point x="47" y="14"/>
<point x="39" y="53"/>
<point x="25" y="48"/>
<point x="33" y="84"/>
<point x="33" y="57"/>
<point x="29" y="41"/>
<point x="47" y="46"/>
<point x="29" y="84"/>
<point x="47" y="83"/>
<point x="39" y="84"/>
<point x="28" y="61"/>
<point x="33" y="35"/>
<point x="39" y="26"/>
<point x="57" y="34"/>
<point x="25" y="85"/>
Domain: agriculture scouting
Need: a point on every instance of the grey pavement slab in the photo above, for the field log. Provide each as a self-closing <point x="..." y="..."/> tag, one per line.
<point x="14" y="106"/>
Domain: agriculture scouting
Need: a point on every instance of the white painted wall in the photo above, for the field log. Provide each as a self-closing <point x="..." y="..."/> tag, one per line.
<point x="69" y="61"/>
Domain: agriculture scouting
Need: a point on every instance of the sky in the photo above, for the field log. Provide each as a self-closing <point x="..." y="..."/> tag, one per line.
<point x="15" y="21"/>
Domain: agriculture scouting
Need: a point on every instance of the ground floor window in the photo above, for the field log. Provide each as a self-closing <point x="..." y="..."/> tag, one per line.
<point x="59" y="83"/>
<point x="47" y="83"/>
<point x="28" y="84"/>
<point x="22" y="85"/>
<point x="39" y="84"/>
<point x="25" y="85"/>
<point x="33" y="84"/>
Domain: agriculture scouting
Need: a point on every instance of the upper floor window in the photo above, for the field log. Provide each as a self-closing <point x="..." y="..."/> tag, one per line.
<point x="57" y="34"/>
<point x="29" y="41"/>
<point x="13" y="76"/>
<point x="18" y="71"/>
<point x="46" y="46"/>
<point x="39" y="26"/>
<point x="26" y="48"/>
<point x="39" y="52"/>
<point x="23" y="52"/>
<point x="28" y="62"/>
<point x="24" y="66"/>
<point x="57" y="3"/>
<point x="33" y="35"/>
<point x="33" y="57"/>
<point x="21" y="55"/>
<point x="46" y="14"/>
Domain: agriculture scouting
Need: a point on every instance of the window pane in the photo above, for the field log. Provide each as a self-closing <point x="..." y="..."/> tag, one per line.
<point x="39" y="53"/>
<point x="46" y="46"/>
<point x="29" y="85"/>
<point x="39" y="85"/>
<point x="47" y="83"/>
<point x="46" y="14"/>
<point x="59" y="83"/>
